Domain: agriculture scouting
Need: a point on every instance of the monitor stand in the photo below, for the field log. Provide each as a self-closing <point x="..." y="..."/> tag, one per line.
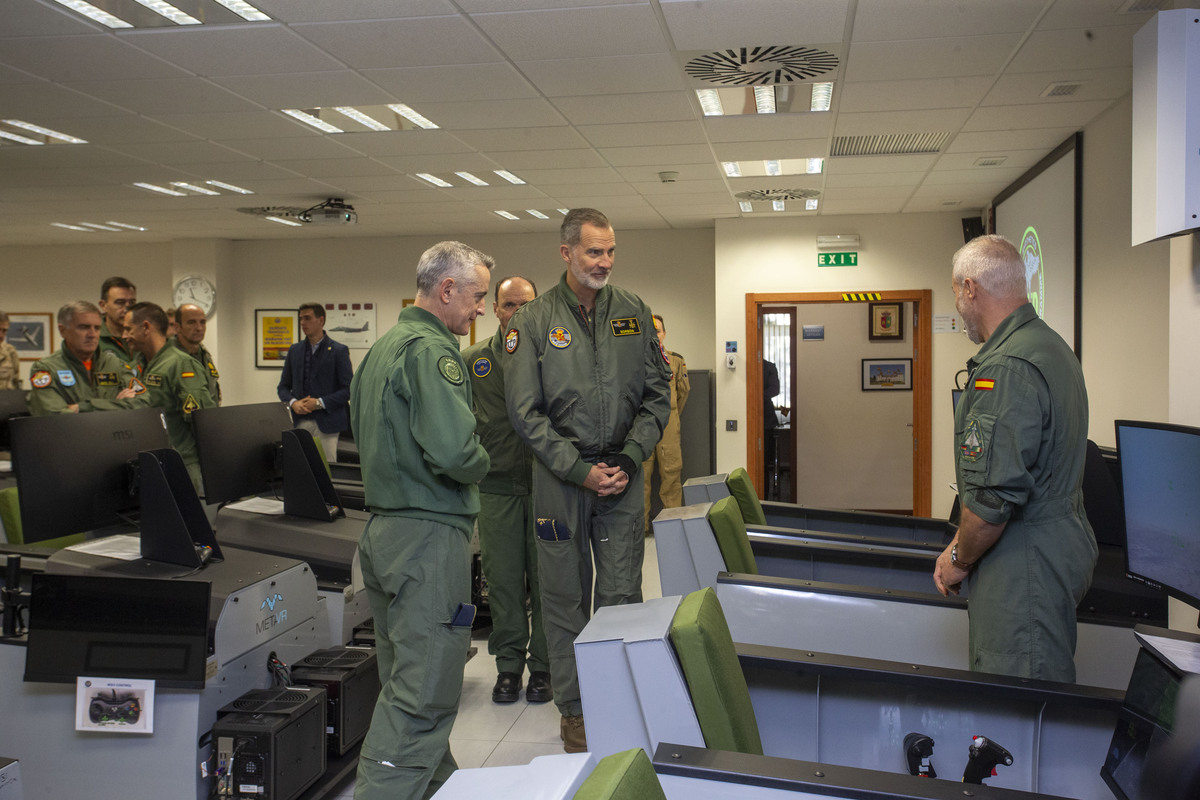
<point x="307" y="488"/>
<point x="174" y="527"/>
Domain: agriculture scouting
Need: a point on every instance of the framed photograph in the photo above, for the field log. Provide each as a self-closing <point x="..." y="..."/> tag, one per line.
<point x="886" y="323"/>
<point x="275" y="330"/>
<point x="32" y="334"/>
<point x="887" y="374"/>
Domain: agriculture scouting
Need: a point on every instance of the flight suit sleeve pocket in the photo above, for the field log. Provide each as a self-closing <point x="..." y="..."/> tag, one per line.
<point x="552" y="530"/>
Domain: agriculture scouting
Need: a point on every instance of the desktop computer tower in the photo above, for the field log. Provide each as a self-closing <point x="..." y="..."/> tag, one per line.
<point x="350" y="678"/>
<point x="270" y="743"/>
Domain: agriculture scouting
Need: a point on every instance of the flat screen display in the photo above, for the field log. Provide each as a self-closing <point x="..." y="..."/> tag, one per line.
<point x="1039" y="214"/>
<point x="75" y="471"/>
<point x="118" y="628"/>
<point x="237" y="447"/>
<point x="1160" y="482"/>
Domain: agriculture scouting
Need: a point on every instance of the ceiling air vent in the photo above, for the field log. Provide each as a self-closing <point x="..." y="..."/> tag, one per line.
<point x="1143" y="6"/>
<point x="898" y="144"/>
<point x="767" y="195"/>
<point x="1062" y="89"/>
<point x="990" y="161"/>
<point x="761" y="66"/>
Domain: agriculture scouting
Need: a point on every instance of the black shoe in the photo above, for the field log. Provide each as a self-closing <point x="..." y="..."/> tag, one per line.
<point x="507" y="689"/>
<point x="539" y="689"/>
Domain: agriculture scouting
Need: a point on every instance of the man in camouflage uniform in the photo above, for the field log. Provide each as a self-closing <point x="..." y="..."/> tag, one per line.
<point x="668" y="453"/>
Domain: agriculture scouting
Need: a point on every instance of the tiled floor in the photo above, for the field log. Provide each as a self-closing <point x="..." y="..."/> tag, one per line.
<point x="487" y="734"/>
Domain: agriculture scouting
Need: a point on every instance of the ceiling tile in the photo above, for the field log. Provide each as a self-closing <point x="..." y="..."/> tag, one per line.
<point x="613" y="30"/>
<point x="909" y="95"/>
<point x="622" y="108"/>
<point x="418" y="42"/>
<point x="560" y="138"/>
<point x="930" y="58"/>
<point x="263" y="49"/>
<point x="718" y="24"/>
<point x="100" y="57"/>
<point x="613" y="75"/>
<point x="307" y="90"/>
<point x="459" y="82"/>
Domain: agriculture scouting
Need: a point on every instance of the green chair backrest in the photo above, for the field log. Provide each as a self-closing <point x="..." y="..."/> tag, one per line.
<point x="10" y="514"/>
<point x="622" y="776"/>
<point x="740" y="486"/>
<point x="725" y="518"/>
<point x="714" y="677"/>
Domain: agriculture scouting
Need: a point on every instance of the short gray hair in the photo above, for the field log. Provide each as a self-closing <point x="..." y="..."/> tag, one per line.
<point x="994" y="263"/>
<point x="576" y="218"/>
<point x="68" y="313"/>
<point x="448" y="260"/>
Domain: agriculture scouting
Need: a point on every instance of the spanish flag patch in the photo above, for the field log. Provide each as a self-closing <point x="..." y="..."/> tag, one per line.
<point x="985" y="384"/>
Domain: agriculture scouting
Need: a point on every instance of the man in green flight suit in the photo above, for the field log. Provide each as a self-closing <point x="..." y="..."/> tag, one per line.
<point x="172" y="380"/>
<point x="410" y="407"/>
<point x="80" y="377"/>
<point x="117" y="296"/>
<point x="588" y="387"/>
<point x="506" y="540"/>
<point x="1020" y="434"/>
<point x="191" y="324"/>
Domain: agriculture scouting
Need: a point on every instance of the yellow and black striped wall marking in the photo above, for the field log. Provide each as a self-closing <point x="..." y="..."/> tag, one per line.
<point x="861" y="297"/>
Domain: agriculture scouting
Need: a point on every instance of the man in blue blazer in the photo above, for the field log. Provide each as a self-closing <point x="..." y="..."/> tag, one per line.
<point x="315" y="384"/>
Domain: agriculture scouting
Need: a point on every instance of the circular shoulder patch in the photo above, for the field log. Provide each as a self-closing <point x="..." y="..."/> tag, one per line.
<point x="450" y="370"/>
<point x="40" y="379"/>
<point x="482" y="367"/>
<point x="511" y="340"/>
<point x="559" y="337"/>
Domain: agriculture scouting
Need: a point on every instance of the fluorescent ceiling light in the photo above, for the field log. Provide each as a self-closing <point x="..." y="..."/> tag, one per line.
<point x="71" y="227"/>
<point x="244" y="10"/>
<point x="508" y="176"/>
<point x="746" y="205"/>
<point x="191" y="187"/>
<point x="98" y="226"/>
<point x="507" y="215"/>
<point x="773" y="166"/>
<point x="16" y="137"/>
<point x="764" y="99"/>
<point x="160" y="189"/>
<point x="91" y="12"/>
<point x="732" y="168"/>
<point x="29" y="126"/>
<point x="309" y="119"/>
<point x="562" y="211"/>
<point x="810" y="204"/>
<point x="469" y="178"/>
<point x="533" y="212"/>
<point x="365" y="120"/>
<point x="710" y="102"/>
<point x="125" y="226"/>
<point x="284" y="221"/>
<point x="777" y="205"/>
<point x="412" y="116"/>
<point x="229" y="187"/>
<point x="435" y="180"/>
<point x="169" y="11"/>
<point x="815" y="165"/>
<point x="822" y="97"/>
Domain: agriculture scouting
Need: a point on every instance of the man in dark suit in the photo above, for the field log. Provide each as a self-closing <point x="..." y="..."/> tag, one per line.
<point x="315" y="384"/>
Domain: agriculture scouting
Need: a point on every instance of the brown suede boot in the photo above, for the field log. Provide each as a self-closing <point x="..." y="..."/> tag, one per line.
<point x="570" y="730"/>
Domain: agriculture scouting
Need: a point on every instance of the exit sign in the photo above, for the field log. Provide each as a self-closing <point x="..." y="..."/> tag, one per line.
<point x="837" y="259"/>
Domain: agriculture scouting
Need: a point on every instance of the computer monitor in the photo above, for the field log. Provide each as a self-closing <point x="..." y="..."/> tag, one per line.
<point x="12" y="404"/>
<point x="106" y="627"/>
<point x="1160" y="482"/>
<point x="76" y="472"/>
<point x="239" y="449"/>
<point x="1144" y="724"/>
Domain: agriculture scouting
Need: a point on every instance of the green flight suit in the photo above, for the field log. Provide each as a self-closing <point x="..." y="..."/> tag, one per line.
<point x="207" y="365"/>
<point x="62" y="380"/>
<point x="175" y="383"/>
<point x="582" y="387"/>
<point x="410" y="407"/>
<point x="668" y="453"/>
<point x="1020" y="438"/>
<point x="113" y="343"/>
<point x="507" y="544"/>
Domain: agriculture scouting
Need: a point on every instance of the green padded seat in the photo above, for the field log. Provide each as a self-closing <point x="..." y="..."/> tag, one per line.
<point x="10" y="515"/>
<point x="622" y="776"/>
<point x="725" y="518"/>
<point x="739" y="485"/>
<point x="714" y="676"/>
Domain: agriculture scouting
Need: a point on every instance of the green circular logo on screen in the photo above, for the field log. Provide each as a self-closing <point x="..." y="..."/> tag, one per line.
<point x="1035" y="272"/>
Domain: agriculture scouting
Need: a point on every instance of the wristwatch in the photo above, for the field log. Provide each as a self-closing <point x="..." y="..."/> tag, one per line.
<point x="954" y="559"/>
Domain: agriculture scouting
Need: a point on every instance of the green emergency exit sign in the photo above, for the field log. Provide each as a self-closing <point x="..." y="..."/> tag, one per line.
<point x="837" y="259"/>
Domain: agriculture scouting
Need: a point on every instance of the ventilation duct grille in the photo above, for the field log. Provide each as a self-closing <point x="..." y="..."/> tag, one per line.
<point x="899" y="144"/>
<point x="1062" y="89"/>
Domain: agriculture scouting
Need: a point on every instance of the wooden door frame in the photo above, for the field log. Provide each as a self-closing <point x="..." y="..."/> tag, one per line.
<point x="922" y="309"/>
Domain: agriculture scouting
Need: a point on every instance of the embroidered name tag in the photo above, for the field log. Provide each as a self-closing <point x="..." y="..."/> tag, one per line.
<point x="154" y="380"/>
<point x="625" y="327"/>
<point x="106" y="379"/>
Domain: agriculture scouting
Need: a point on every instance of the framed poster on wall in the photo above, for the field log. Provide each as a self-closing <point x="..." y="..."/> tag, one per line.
<point x="275" y="330"/>
<point x="887" y="374"/>
<point x="32" y="334"/>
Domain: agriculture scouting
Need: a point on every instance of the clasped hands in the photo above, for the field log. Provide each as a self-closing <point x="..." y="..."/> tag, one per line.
<point x="606" y="481"/>
<point x="306" y="405"/>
